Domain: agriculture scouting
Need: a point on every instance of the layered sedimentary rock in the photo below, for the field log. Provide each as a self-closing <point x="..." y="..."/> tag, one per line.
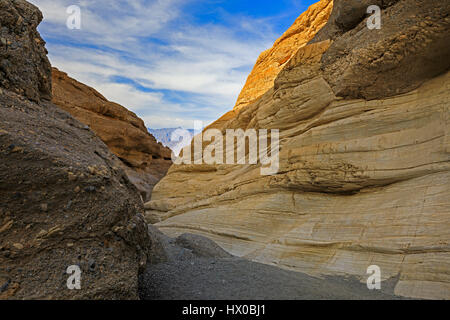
<point x="273" y="60"/>
<point x="145" y="160"/>
<point x="364" y="158"/>
<point x="65" y="201"/>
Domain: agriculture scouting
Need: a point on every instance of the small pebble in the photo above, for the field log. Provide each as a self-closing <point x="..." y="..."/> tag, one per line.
<point x="89" y="189"/>
<point x="5" y="285"/>
<point x="91" y="264"/>
<point x="71" y="176"/>
<point x="18" y="246"/>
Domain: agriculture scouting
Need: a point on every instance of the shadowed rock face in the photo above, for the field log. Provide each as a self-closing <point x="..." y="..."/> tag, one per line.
<point x="144" y="159"/>
<point x="24" y="67"/>
<point x="346" y="15"/>
<point x="410" y="48"/>
<point x="65" y="200"/>
<point x="364" y="159"/>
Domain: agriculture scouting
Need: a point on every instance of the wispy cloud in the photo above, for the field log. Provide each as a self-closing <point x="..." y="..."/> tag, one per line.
<point x="155" y="57"/>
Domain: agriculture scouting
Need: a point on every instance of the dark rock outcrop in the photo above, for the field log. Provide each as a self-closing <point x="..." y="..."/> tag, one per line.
<point x="24" y="67"/>
<point x="410" y="48"/>
<point x="346" y="15"/>
<point x="64" y="198"/>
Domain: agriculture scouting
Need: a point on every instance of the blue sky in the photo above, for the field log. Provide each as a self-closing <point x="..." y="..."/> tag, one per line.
<point x="169" y="61"/>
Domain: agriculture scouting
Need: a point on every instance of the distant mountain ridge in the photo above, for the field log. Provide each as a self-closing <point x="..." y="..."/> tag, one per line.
<point x="164" y="136"/>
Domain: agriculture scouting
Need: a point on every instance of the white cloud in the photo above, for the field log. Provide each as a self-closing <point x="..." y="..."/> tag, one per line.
<point x="154" y="121"/>
<point x="125" y="94"/>
<point x="156" y="45"/>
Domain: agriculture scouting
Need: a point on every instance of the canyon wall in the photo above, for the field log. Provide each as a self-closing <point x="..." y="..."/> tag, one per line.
<point x="65" y="199"/>
<point x="144" y="159"/>
<point x="364" y="157"/>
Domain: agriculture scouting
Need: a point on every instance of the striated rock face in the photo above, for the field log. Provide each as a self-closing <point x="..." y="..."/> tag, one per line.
<point x="273" y="60"/>
<point x="64" y="198"/>
<point x="145" y="160"/>
<point x="364" y="159"/>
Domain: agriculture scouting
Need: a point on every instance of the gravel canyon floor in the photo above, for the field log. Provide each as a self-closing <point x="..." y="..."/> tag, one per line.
<point x="198" y="269"/>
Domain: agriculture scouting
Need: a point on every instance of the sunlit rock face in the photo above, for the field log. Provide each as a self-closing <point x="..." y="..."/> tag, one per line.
<point x="273" y="60"/>
<point x="364" y="157"/>
<point x="144" y="159"/>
